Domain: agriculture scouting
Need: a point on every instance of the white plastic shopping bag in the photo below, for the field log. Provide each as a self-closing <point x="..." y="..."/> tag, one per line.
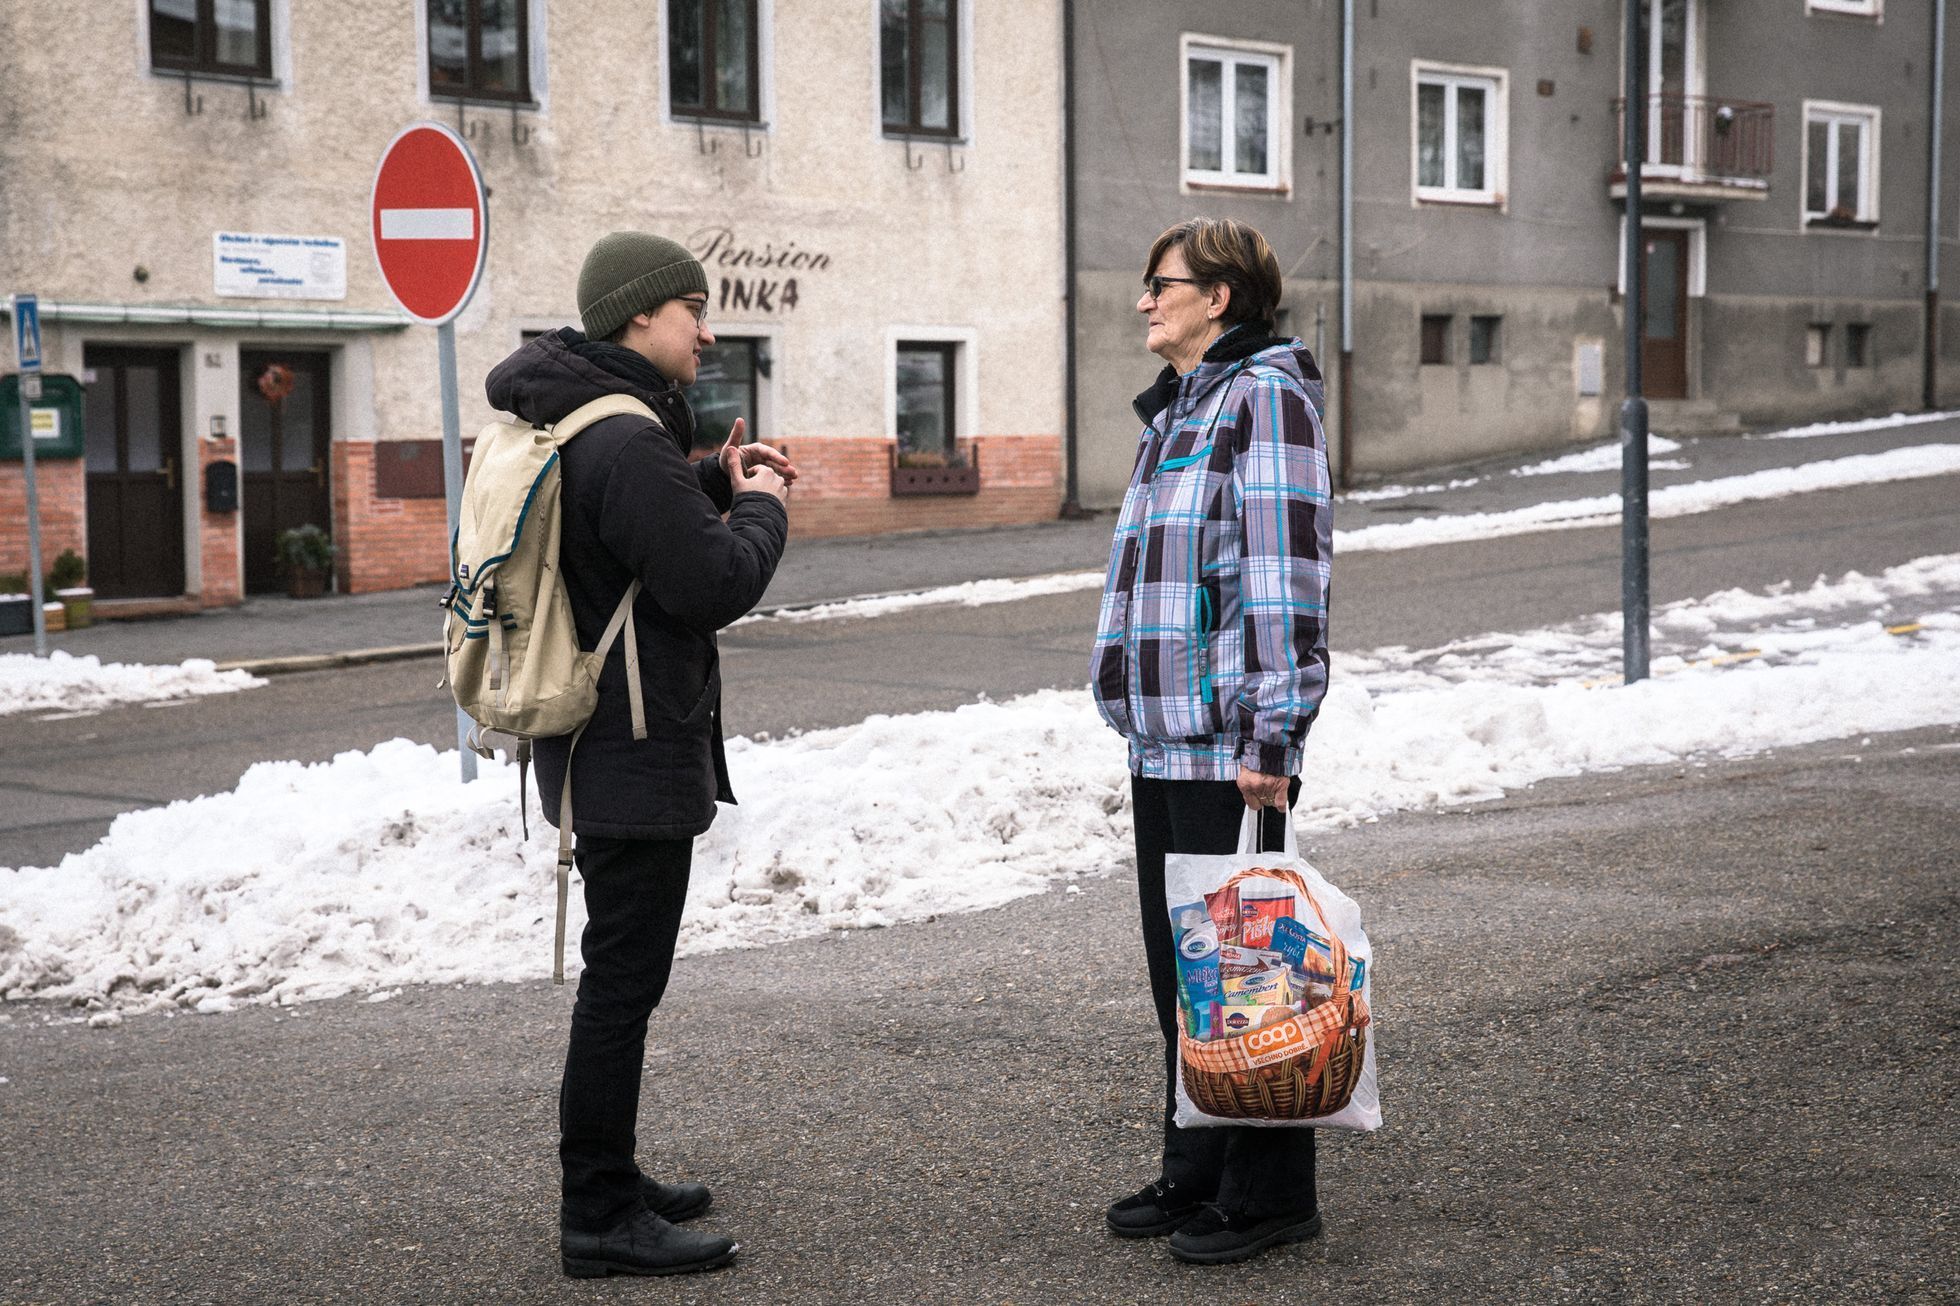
<point x="1274" y="991"/>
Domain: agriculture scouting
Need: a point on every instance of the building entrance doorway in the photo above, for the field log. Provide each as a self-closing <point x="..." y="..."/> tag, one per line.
<point x="1664" y="329"/>
<point x="134" y="452"/>
<point x="284" y="441"/>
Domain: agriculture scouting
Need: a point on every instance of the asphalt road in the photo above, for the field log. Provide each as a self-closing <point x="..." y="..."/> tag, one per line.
<point x="1661" y="1036"/>
<point x="61" y="781"/>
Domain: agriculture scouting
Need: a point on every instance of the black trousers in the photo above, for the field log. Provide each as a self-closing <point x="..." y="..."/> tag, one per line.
<point x="1251" y="1171"/>
<point x="634" y="891"/>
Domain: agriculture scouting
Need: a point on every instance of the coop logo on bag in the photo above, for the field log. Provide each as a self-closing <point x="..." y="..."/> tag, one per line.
<point x="1275" y="1043"/>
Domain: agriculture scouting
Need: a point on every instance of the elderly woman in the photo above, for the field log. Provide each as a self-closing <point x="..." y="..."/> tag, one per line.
<point x="1211" y="659"/>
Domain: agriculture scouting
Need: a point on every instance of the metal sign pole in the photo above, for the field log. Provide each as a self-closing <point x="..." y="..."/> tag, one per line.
<point x="29" y="385"/>
<point x="1633" y="413"/>
<point x="452" y="490"/>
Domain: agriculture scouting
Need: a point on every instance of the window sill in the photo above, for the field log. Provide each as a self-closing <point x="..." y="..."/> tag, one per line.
<point x="1465" y="200"/>
<point x="521" y="104"/>
<point x="1853" y="227"/>
<point x="683" y="119"/>
<point x="227" y="76"/>
<point x="1278" y="189"/>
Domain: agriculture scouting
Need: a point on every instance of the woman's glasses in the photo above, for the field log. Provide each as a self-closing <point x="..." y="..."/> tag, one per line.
<point x="1153" y="286"/>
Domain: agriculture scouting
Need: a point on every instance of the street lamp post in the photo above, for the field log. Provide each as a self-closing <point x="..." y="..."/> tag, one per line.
<point x="1633" y="412"/>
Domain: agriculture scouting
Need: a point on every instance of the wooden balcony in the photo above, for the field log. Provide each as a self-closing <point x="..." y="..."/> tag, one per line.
<point x="1700" y="148"/>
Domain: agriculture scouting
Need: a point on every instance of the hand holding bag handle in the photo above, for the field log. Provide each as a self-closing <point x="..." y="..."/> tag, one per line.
<point x="1251" y="826"/>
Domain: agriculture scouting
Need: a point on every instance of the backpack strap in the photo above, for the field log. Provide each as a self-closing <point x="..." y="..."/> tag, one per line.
<point x="598" y="410"/>
<point x="622" y="619"/>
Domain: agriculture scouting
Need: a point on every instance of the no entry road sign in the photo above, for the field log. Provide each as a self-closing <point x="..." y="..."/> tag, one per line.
<point x="428" y="220"/>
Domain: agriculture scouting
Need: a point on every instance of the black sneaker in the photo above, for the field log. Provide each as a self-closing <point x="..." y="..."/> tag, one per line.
<point x="1217" y="1237"/>
<point x="675" y="1203"/>
<point x="642" y="1243"/>
<point x="1157" y="1210"/>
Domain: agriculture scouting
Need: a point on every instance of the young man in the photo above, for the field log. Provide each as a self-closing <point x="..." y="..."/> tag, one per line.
<point x="634" y="507"/>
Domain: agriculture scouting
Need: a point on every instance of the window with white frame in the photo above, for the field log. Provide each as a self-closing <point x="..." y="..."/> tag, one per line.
<point x="1459" y="134"/>
<point x="1861" y="8"/>
<point x="1235" y="113"/>
<point x="1840" y="171"/>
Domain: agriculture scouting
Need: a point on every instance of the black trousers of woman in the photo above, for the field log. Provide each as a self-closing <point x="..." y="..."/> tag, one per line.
<point x="1252" y="1171"/>
<point x="634" y="892"/>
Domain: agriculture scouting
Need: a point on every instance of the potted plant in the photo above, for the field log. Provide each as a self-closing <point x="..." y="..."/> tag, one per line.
<point x="930" y="471"/>
<point x="16" y="604"/>
<point x="306" y="552"/>
<point x="65" y="582"/>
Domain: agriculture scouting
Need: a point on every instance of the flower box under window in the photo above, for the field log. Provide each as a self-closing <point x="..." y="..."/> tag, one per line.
<point x="920" y="474"/>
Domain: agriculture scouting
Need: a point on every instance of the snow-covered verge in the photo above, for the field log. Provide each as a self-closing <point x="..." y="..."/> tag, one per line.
<point x="63" y="682"/>
<point x="378" y="869"/>
<point x="1600" y="458"/>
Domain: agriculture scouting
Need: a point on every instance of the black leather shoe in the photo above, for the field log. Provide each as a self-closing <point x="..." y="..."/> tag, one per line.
<point x="1155" y="1211"/>
<point x="675" y="1203"/>
<point x="1217" y="1237"/>
<point x="642" y="1243"/>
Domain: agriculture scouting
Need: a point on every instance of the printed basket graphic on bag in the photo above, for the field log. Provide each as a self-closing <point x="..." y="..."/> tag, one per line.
<point x="1299" y="1066"/>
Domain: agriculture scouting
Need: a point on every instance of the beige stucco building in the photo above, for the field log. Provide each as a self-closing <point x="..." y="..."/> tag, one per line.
<point x="875" y="190"/>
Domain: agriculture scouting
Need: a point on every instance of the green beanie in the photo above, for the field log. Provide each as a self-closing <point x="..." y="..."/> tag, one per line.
<point x="631" y="272"/>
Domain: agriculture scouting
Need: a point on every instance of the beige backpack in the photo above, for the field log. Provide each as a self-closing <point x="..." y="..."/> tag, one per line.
<point x="513" y="659"/>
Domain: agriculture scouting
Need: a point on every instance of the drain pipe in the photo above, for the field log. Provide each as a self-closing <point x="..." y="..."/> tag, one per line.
<point x="1930" y="397"/>
<point x="1344" y="465"/>
<point x="1072" y="492"/>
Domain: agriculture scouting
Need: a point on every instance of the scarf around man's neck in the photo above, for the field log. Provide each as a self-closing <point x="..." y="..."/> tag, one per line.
<point x="662" y="395"/>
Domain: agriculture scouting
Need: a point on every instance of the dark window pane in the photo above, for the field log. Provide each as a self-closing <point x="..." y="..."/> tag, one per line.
<point x="255" y="432"/>
<point x="296" y="424"/>
<point x="1849" y="139"/>
<point x="1663" y="290"/>
<point x="1204" y="105"/>
<point x="1435" y="338"/>
<point x="1469" y="138"/>
<point x="449" y="56"/>
<point x="925" y="400"/>
<point x="893" y="62"/>
<point x="173" y="31"/>
<point x="723" y="390"/>
<point x="501" y="49"/>
<point x="99" y="421"/>
<point x="237" y="32"/>
<point x="684" y="53"/>
<point x="733" y="35"/>
<point x="143" y="388"/>
<point x="1858" y="344"/>
<point x="1249" y="91"/>
<point x="1429" y="136"/>
<point x="1483" y="339"/>
<point x="935" y="73"/>
<point x="1815" y="195"/>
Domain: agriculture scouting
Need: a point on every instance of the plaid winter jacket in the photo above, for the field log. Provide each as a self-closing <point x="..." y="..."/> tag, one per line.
<point x="1211" y="649"/>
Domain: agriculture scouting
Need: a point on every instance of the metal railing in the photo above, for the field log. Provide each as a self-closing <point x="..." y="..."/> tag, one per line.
<point x="1705" y="136"/>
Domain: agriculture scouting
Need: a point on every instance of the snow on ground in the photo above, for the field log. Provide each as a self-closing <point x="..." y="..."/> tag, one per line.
<point x="379" y="869"/>
<point x="1854" y="427"/>
<point x="63" y="682"/>
<point x="971" y="594"/>
<point x="1602" y="458"/>
<point x="1682" y="500"/>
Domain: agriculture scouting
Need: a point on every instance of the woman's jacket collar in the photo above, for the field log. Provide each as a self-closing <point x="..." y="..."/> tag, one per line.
<point x="1241" y="342"/>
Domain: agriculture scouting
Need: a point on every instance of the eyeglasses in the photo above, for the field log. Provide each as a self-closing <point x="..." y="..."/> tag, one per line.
<point x="698" y="307"/>
<point x="1154" y="286"/>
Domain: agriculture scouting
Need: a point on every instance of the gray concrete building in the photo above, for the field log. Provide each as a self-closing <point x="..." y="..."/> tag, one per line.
<point x="1786" y="189"/>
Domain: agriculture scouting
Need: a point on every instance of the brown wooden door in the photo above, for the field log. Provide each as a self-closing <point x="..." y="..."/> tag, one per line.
<point x="284" y="442"/>
<point x="134" y="455"/>
<point x="1664" y="335"/>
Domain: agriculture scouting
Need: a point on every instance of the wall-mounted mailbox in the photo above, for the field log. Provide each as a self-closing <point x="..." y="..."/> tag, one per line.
<point x="221" y="486"/>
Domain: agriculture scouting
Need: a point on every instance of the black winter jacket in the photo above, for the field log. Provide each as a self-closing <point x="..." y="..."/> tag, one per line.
<point x="632" y="505"/>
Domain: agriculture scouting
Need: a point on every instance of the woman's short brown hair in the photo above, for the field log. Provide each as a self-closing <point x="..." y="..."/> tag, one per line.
<point x="1224" y="251"/>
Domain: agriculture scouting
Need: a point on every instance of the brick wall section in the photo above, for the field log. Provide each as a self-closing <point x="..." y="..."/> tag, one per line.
<point x="385" y="544"/>
<point x="217" y="534"/>
<point x="844" y="489"/>
<point x="61" y="485"/>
